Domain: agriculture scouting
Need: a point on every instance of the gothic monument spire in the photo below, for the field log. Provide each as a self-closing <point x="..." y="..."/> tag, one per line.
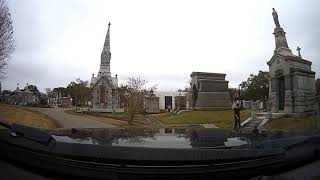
<point x="105" y="56"/>
<point x="106" y="46"/>
<point x="280" y="35"/>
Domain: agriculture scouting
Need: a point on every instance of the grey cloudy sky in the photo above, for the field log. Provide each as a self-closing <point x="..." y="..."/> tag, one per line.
<point x="163" y="41"/>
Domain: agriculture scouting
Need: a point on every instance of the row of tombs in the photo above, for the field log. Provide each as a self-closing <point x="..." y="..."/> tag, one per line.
<point x="291" y="84"/>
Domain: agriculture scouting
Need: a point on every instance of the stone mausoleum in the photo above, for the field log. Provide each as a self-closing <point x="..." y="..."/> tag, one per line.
<point x="292" y="82"/>
<point x="209" y="91"/>
<point x="104" y="97"/>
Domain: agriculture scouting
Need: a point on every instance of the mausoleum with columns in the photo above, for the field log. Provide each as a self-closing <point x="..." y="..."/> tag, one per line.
<point x="292" y="82"/>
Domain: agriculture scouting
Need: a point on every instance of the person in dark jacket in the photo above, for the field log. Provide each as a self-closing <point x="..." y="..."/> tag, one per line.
<point x="237" y="117"/>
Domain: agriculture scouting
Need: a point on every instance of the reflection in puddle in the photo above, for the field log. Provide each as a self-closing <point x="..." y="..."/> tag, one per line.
<point x="236" y="141"/>
<point x="165" y="137"/>
<point x="159" y="141"/>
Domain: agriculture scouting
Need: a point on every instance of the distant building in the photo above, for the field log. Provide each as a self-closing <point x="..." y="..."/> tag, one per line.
<point x="66" y="101"/>
<point x="54" y="99"/>
<point x="171" y="100"/>
<point x="21" y="97"/>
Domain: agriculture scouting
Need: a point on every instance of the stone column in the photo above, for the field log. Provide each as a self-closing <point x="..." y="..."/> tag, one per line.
<point x="273" y="94"/>
<point x="288" y="101"/>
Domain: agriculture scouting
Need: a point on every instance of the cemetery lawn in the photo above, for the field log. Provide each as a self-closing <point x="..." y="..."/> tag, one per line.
<point x="15" y="114"/>
<point x="117" y="119"/>
<point x="292" y="123"/>
<point x="221" y="119"/>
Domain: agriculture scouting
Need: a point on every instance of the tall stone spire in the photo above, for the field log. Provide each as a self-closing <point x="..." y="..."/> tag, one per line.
<point x="105" y="56"/>
<point x="106" y="46"/>
<point x="280" y="35"/>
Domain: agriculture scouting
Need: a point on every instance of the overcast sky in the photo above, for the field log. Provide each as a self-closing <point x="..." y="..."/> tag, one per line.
<point x="163" y="41"/>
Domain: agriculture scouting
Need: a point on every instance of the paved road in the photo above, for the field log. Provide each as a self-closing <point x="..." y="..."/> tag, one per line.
<point x="70" y="121"/>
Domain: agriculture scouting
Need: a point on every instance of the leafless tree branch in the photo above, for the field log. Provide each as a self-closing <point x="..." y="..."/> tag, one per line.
<point x="6" y="36"/>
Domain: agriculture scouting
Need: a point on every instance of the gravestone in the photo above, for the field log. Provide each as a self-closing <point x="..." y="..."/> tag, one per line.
<point x="254" y="105"/>
<point x="291" y="82"/>
<point x="180" y="103"/>
<point x="151" y="104"/>
<point x="246" y="104"/>
<point x="261" y="105"/>
<point x="209" y="91"/>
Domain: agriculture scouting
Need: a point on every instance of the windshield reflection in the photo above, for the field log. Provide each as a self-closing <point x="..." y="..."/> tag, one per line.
<point x="169" y="137"/>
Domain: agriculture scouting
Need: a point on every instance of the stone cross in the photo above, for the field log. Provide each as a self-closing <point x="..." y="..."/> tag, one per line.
<point x="299" y="49"/>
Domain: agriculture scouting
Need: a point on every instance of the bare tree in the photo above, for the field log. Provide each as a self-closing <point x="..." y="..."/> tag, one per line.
<point x="131" y="96"/>
<point x="6" y="36"/>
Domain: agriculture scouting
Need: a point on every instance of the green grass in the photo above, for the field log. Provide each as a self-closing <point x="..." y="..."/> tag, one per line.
<point x="16" y="114"/>
<point x="72" y="111"/>
<point x="118" y="116"/>
<point x="292" y="123"/>
<point x="222" y="119"/>
<point x="138" y="119"/>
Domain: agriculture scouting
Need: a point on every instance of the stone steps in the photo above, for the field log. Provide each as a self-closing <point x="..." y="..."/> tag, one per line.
<point x="253" y="124"/>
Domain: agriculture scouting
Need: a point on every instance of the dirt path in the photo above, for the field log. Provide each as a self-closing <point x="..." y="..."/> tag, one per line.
<point x="70" y="121"/>
<point x="154" y="122"/>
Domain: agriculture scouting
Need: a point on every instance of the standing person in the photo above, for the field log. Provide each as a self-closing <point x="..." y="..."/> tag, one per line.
<point x="237" y="117"/>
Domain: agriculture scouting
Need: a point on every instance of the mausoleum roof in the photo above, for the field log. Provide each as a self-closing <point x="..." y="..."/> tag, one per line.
<point x="207" y="73"/>
<point x="106" y="80"/>
<point x="290" y="57"/>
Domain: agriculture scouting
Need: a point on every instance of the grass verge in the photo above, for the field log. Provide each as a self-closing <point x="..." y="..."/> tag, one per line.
<point x="292" y="123"/>
<point x="117" y="119"/>
<point x="15" y="114"/>
<point x="221" y="119"/>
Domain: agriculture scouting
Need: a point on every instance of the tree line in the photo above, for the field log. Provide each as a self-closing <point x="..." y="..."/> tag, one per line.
<point x="256" y="87"/>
